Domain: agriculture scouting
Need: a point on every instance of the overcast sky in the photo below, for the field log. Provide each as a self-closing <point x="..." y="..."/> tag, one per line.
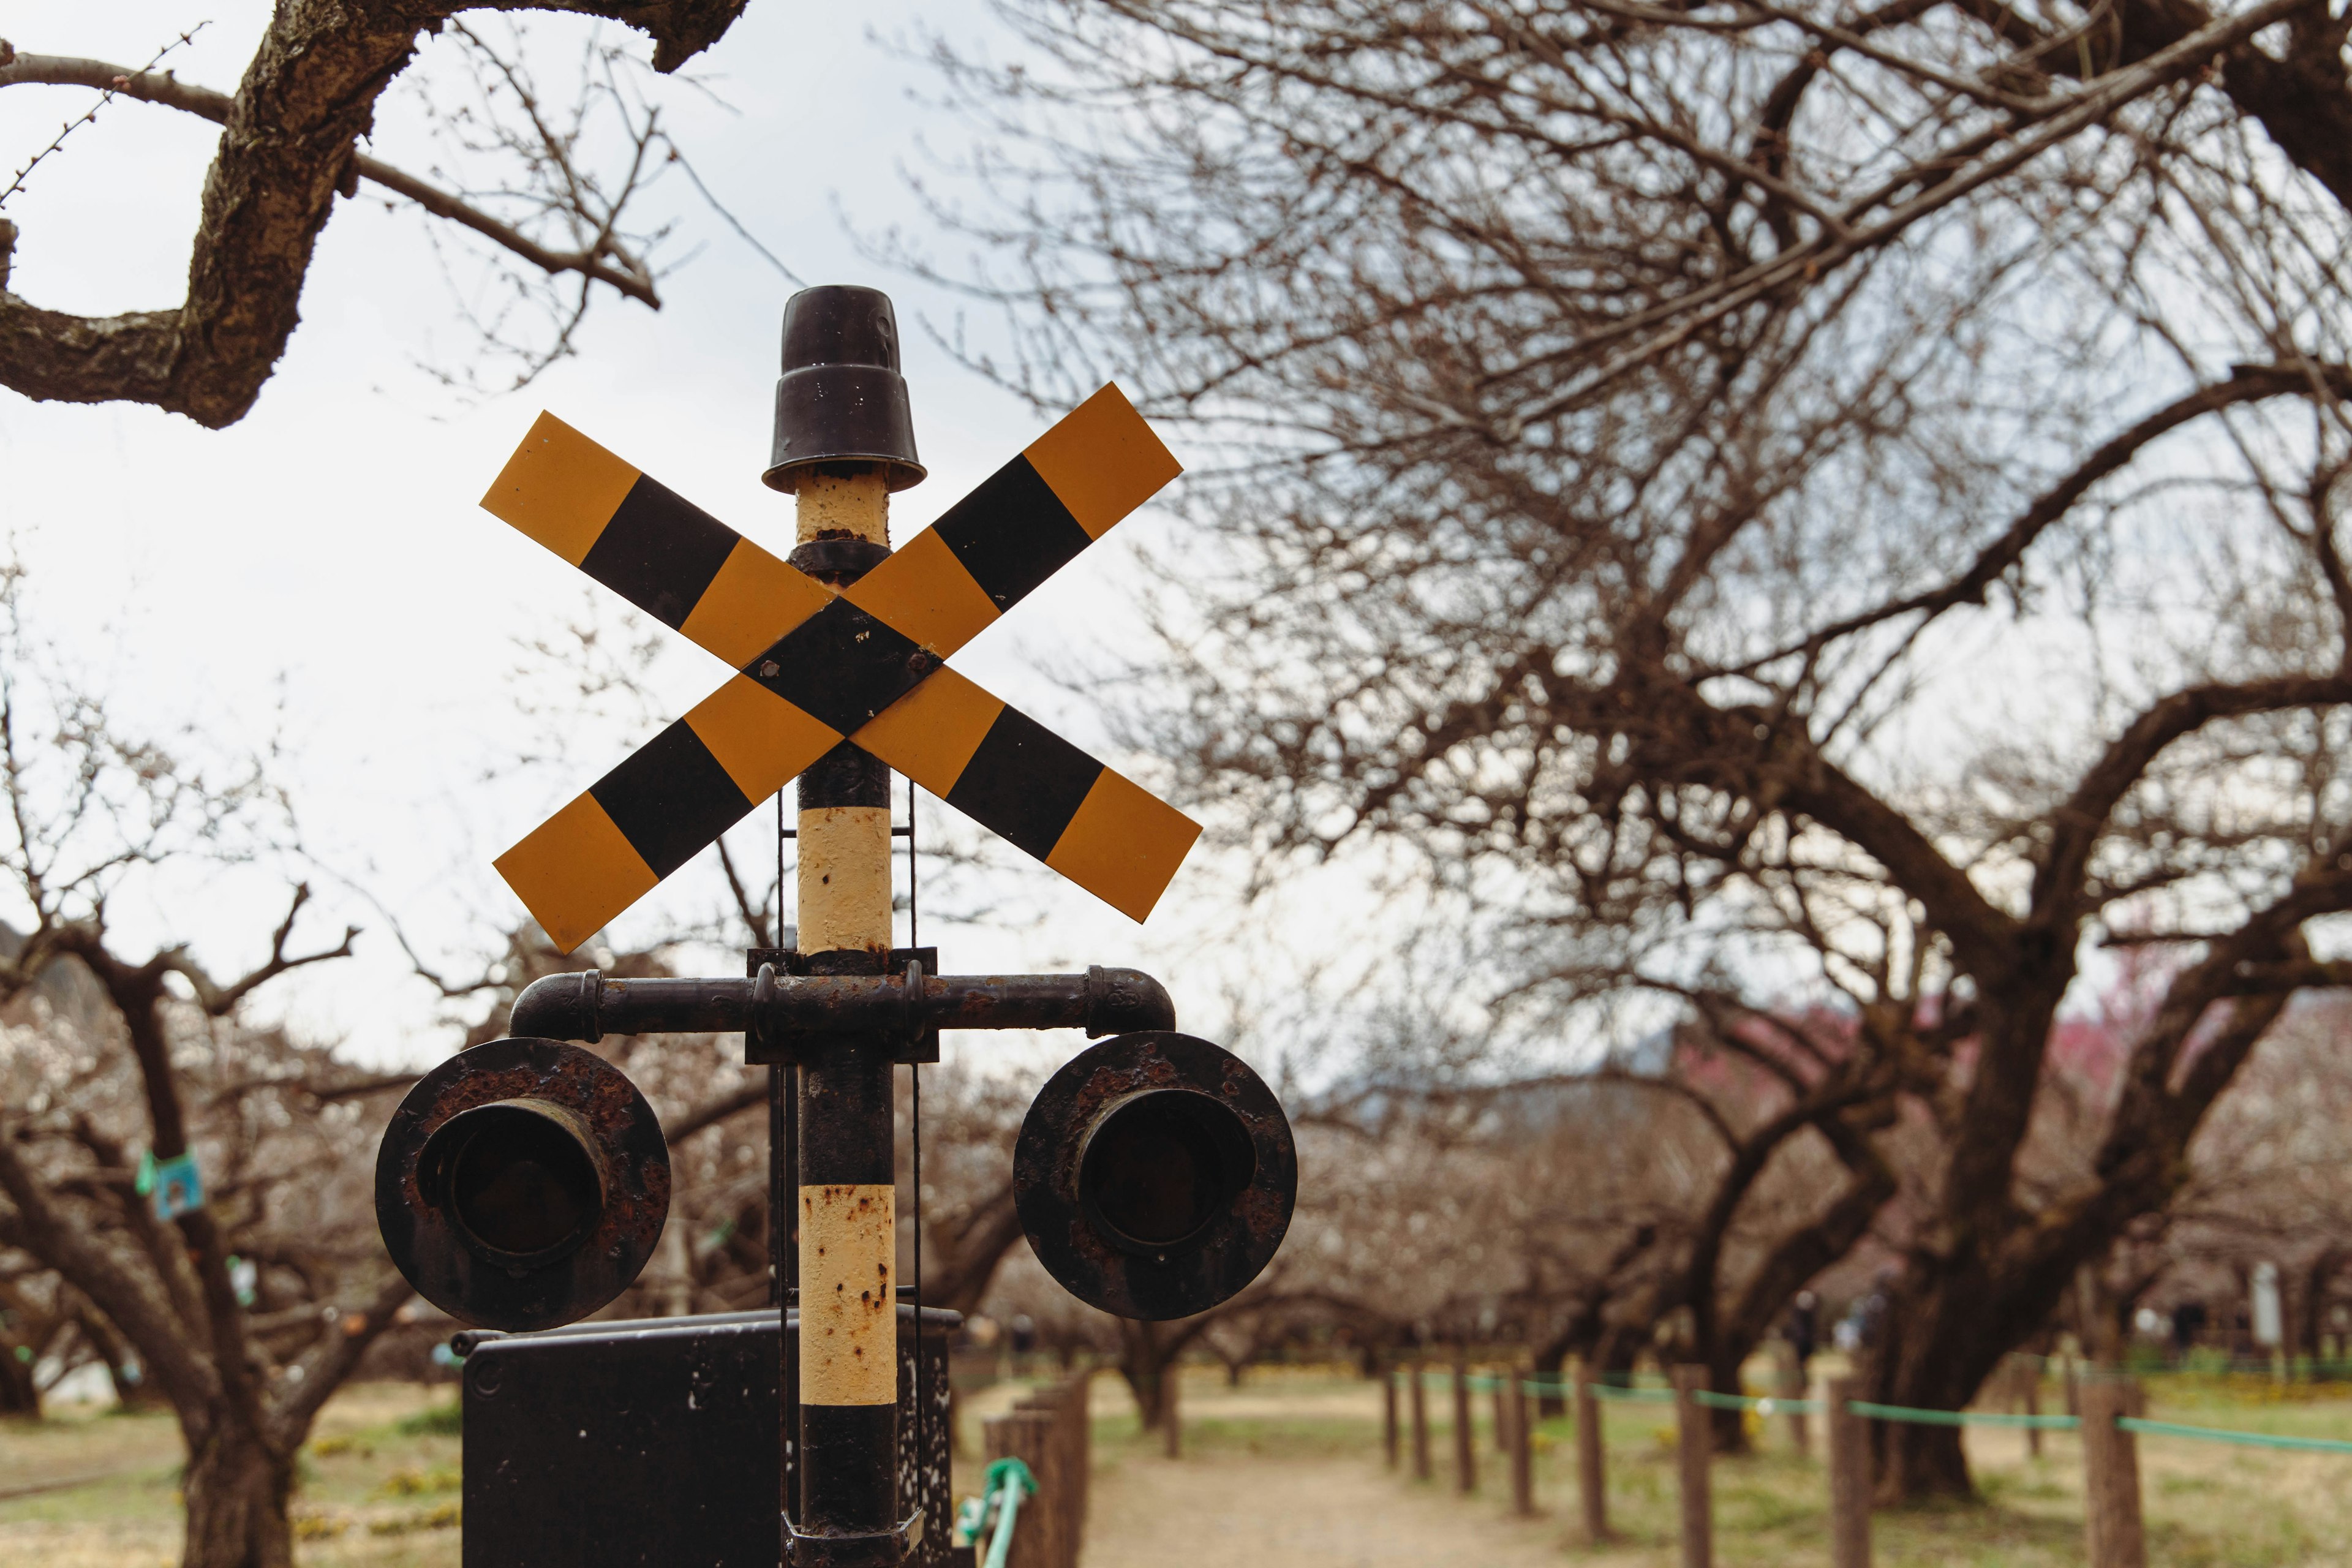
<point x="321" y="571"/>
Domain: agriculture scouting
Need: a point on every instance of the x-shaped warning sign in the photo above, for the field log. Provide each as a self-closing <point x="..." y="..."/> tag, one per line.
<point x="816" y="666"/>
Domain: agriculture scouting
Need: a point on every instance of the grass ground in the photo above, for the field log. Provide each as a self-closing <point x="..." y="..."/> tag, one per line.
<point x="1287" y="1468"/>
<point x="378" y="1486"/>
<point x="1301" y="1452"/>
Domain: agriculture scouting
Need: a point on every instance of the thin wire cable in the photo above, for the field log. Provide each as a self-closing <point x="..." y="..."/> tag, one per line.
<point x="915" y="1072"/>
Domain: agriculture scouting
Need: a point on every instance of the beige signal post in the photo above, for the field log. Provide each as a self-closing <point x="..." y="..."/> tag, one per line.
<point x="845" y="851"/>
<point x="848" y="1248"/>
<point x="848" y="1233"/>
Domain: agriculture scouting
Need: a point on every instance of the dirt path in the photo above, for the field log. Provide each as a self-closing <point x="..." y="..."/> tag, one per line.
<point x="1288" y="1473"/>
<point x="1244" y="1511"/>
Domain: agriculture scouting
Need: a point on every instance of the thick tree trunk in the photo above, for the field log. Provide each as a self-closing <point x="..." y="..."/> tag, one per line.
<point x="1945" y="1332"/>
<point x="237" y="1494"/>
<point x="1144" y="1365"/>
<point x="19" y="1396"/>
<point x="1551" y="1367"/>
<point x="1727" y="1428"/>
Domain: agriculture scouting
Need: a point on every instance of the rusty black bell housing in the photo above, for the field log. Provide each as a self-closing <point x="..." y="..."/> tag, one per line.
<point x="841" y="399"/>
<point x="1155" y="1175"/>
<point x="522" y="1185"/>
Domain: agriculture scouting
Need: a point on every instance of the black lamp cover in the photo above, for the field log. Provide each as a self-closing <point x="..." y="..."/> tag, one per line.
<point x="841" y="398"/>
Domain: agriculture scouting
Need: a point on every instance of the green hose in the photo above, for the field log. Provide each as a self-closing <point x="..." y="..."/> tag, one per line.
<point x="1010" y="1479"/>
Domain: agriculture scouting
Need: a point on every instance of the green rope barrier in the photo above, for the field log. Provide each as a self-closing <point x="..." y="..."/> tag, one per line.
<point x="2223" y="1435"/>
<point x="1961" y="1417"/>
<point x="1631" y="1396"/>
<point x="1765" y="1404"/>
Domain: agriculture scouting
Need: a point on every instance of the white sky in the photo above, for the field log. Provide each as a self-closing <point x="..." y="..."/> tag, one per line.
<point x="328" y="553"/>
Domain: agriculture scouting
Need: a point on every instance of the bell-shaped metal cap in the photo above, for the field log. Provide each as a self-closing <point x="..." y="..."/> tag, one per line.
<point x="841" y="398"/>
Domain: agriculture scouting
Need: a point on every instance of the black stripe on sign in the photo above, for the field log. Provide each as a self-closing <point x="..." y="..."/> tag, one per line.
<point x="842" y="667"/>
<point x="1012" y="533"/>
<point x="1024" y="781"/>
<point x="659" y="552"/>
<point x="671" y="798"/>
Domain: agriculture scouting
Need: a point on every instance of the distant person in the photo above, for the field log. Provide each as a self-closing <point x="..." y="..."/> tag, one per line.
<point x="2189" y="1319"/>
<point x="1870" y="1313"/>
<point x="1803" y="1328"/>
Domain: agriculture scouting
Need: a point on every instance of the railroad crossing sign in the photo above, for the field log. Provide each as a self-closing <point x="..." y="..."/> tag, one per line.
<point x="816" y="666"/>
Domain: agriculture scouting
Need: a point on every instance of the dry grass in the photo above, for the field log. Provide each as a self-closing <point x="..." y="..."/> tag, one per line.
<point x="379" y="1486"/>
<point x="2207" y="1505"/>
<point x="1287" y="1468"/>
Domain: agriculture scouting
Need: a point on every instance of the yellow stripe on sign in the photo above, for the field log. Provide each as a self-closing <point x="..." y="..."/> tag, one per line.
<point x="1102" y="460"/>
<point x="754" y="600"/>
<point x="574" y="872"/>
<point x="923" y="591"/>
<point x="932" y="732"/>
<point x="560" y="487"/>
<point x="1124" y="845"/>
<point x="762" y="740"/>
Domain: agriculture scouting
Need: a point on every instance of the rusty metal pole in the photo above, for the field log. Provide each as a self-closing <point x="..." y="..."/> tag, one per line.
<point x="848" y="1180"/>
<point x="1849" y="1439"/>
<point x="1590" y="1481"/>
<point x="1694" y="1450"/>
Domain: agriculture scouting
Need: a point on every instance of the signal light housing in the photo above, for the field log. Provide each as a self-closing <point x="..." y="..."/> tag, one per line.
<point x="1155" y="1175"/>
<point x="522" y="1185"/>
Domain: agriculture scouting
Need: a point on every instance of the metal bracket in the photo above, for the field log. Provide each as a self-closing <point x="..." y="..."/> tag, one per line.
<point x="764" y="1045"/>
<point x="876" y="1549"/>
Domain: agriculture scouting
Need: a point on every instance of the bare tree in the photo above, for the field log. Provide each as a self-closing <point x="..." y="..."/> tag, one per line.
<point x="1842" y="498"/>
<point x="290" y="147"/>
<point x="159" y="1055"/>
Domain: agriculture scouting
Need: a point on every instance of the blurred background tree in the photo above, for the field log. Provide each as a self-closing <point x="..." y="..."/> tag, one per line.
<point x="1835" y="504"/>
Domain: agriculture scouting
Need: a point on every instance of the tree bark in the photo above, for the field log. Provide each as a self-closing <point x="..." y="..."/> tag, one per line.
<point x="237" y="1491"/>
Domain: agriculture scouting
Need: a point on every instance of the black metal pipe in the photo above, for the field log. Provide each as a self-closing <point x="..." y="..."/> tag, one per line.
<point x="587" y="1006"/>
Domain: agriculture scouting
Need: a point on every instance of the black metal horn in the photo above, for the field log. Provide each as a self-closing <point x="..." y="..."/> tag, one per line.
<point x="522" y="1185"/>
<point x="1155" y="1175"/>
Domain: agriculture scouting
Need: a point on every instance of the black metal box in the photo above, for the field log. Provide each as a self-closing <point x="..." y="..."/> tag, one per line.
<point x="654" y="1444"/>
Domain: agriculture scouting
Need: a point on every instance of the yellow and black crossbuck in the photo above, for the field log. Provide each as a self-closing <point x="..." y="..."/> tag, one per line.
<point x="816" y="666"/>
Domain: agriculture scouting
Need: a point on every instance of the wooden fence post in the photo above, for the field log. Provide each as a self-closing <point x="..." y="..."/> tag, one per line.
<point x="1591" y="1494"/>
<point x="1466" y="1445"/>
<point x="1503" y="1377"/>
<point x="1079" y="1414"/>
<point x="1523" y="1473"/>
<point x="2113" y="1534"/>
<point x="2033" y="1407"/>
<point x="1028" y="1436"/>
<point x="1420" y="1421"/>
<point x="1058" y="1502"/>
<point x="1694" y="1450"/>
<point x="1389" y="1415"/>
<point x="1849" y="1440"/>
<point x="1172" y="1411"/>
<point x="1793" y="1388"/>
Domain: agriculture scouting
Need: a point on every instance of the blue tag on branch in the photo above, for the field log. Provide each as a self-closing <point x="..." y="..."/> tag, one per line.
<point x="178" y="1188"/>
<point x="146" y="1182"/>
